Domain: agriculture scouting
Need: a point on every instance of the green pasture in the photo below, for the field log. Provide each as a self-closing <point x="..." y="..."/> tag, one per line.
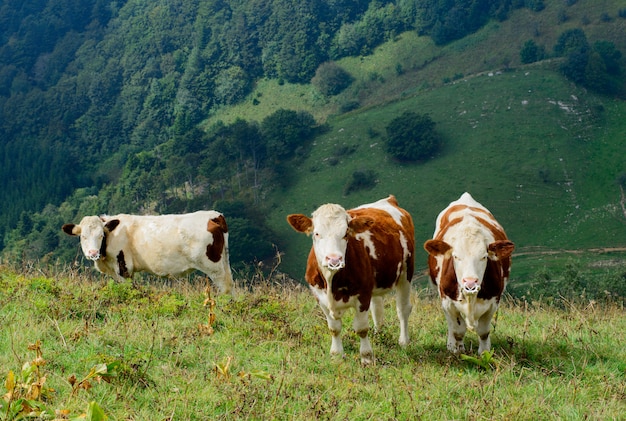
<point x="145" y="352"/>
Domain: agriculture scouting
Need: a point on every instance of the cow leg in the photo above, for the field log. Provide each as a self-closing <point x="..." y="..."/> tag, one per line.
<point x="403" y="308"/>
<point x="361" y="327"/>
<point x="378" y="312"/>
<point x="220" y="275"/>
<point x="456" y="327"/>
<point x="334" y="325"/>
<point x="483" y="330"/>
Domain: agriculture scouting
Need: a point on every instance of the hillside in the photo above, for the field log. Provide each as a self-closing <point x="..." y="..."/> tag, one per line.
<point x="113" y="132"/>
<point x="542" y="154"/>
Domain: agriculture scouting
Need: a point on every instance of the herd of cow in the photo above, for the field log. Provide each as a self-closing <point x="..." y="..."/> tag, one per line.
<point x="358" y="255"/>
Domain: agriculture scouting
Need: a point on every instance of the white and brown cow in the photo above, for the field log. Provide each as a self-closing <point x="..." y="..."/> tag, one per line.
<point x="164" y="245"/>
<point x="469" y="261"/>
<point x="357" y="256"/>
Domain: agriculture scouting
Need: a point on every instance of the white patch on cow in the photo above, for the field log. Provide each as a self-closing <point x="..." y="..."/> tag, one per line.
<point x="366" y="237"/>
<point x="330" y="226"/>
<point x="406" y="253"/>
<point x="383" y="204"/>
<point x="470" y="240"/>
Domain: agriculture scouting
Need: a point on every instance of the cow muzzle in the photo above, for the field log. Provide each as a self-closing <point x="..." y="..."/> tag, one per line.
<point x="93" y="255"/>
<point x="334" y="262"/>
<point x="470" y="285"/>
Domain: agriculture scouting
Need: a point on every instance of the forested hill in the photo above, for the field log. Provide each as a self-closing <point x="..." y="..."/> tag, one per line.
<point x="102" y="103"/>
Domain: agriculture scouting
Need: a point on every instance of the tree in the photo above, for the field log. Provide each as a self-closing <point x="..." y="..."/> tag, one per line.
<point x="412" y="137"/>
<point x="330" y="79"/>
<point x="610" y="55"/>
<point x="531" y="52"/>
<point x="570" y="41"/>
<point x="286" y="130"/>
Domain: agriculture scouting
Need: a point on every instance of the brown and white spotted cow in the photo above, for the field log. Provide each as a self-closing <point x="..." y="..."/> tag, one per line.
<point x="164" y="245"/>
<point x="357" y="256"/>
<point x="469" y="261"/>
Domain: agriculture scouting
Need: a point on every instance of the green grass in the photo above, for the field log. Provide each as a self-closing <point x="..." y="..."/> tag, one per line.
<point x="268" y="357"/>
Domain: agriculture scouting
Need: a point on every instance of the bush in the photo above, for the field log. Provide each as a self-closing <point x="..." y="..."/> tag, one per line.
<point x="361" y="180"/>
<point x="531" y="52"/>
<point x="570" y="41"/>
<point x="412" y="137"/>
<point x="330" y="79"/>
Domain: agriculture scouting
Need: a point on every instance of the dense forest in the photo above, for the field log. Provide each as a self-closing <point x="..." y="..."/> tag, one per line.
<point x="100" y="100"/>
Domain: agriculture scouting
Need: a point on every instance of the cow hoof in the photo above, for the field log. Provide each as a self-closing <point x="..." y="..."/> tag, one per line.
<point x="456" y="349"/>
<point x="367" y="359"/>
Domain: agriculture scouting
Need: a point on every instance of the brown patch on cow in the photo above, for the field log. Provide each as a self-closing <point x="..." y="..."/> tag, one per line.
<point x="386" y="237"/>
<point x="217" y="227"/>
<point x="493" y="281"/>
<point x="433" y="269"/>
<point x="445" y="219"/>
<point x="362" y="333"/>
<point x="443" y="229"/>
<point x="448" y="285"/>
<point x="392" y="200"/>
<point x="497" y="233"/>
<point x="121" y="263"/>
<point x="111" y="225"/>
<point x="359" y="225"/>
<point x="103" y="246"/>
<point x="485" y="336"/>
<point x="497" y="271"/>
<point x="220" y="221"/>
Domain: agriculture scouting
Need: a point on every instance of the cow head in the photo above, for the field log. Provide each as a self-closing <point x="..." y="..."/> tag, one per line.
<point x="92" y="231"/>
<point x="330" y="226"/>
<point x="469" y="258"/>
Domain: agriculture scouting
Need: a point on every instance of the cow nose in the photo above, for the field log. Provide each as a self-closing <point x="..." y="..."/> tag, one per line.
<point x="334" y="261"/>
<point x="93" y="254"/>
<point x="471" y="285"/>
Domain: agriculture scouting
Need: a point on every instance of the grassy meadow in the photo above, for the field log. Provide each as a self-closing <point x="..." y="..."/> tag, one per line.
<point x="145" y="351"/>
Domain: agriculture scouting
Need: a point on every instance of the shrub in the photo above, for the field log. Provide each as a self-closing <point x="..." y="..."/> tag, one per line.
<point x="361" y="180"/>
<point x="330" y="79"/>
<point x="412" y="137"/>
<point x="531" y="52"/>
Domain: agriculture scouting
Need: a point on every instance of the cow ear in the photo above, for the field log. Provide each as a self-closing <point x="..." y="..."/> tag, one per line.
<point x="300" y="223"/>
<point x="501" y="248"/>
<point x="111" y="225"/>
<point x="437" y="247"/>
<point x="360" y="224"/>
<point x="71" y="229"/>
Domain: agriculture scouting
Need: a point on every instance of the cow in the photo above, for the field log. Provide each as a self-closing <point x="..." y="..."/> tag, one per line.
<point x="358" y="256"/>
<point x="469" y="259"/>
<point x="163" y="245"/>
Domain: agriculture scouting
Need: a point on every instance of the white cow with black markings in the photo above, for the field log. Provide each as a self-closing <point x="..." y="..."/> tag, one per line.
<point x="164" y="245"/>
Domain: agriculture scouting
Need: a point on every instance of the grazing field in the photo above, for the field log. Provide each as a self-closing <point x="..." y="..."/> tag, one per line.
<point x="151" y="351"/>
